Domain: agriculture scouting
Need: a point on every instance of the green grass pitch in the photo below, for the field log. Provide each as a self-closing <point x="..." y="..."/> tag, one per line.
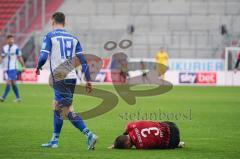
<point x="209" y="122"/>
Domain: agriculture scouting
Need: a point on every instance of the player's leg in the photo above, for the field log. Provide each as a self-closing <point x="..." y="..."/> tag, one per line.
<point x="162" y="71"/>
<point x="78" y="122"/>
<point x="11" y="76"/>
<point x="14" y="75"/>
<point x="174" y="135"/>
<point x="16" y="91"/>
<point x="176" y="142"/>
<point x="61" y="113"/>
<point x="74" y="118"/>
<point x="63" y="95"/>
<point x="7" y="89"/>
<point x="57" y="122"/>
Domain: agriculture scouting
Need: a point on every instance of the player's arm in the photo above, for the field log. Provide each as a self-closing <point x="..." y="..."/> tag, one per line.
<point x="41" y="61"/>
<point x="20" y="59"/>
<point x="85" y="68"/>
<point x="2" y="56"/>
<point x="46" y="49"/>
<point x="111" y="147"/>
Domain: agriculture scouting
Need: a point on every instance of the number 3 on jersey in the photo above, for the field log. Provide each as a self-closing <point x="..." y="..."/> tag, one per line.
<point x="66" y="47"/>
<point x="147" y="131"/>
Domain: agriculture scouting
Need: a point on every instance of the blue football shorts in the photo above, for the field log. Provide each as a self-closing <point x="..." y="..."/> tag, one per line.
<point x="11" y="75"/>
<point x="64" y="91"/>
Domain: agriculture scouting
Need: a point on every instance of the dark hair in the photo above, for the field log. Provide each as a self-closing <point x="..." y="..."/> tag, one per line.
<point x="9" y="36"/>
<point x="120" y="142"/>
<point x="59" y="17"/>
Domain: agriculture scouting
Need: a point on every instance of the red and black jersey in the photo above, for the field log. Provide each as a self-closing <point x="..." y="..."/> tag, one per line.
<point x="149" y="134"/>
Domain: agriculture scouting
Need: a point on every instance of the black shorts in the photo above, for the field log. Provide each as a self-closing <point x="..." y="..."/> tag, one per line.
<point x="174" y="135"/>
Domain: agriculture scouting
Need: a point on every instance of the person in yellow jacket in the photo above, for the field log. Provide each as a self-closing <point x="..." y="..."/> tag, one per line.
<point x="162" y="62"/>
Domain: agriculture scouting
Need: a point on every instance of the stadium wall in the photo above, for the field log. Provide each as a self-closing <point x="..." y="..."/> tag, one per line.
<point x="186" y="28"/>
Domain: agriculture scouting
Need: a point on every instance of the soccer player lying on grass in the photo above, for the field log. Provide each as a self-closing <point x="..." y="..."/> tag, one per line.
<point x="149" y="135"/>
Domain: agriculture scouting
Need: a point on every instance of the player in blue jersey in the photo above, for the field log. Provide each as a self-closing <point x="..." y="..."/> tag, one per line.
<point x="9" y="56"/>
<point x="60" y="47"/>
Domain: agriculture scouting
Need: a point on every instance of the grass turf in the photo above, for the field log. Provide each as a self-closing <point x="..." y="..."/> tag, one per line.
<point x="208" y="118"/>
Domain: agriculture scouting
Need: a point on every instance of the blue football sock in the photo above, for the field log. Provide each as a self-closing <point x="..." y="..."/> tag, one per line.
<point x="58" y="123"/>
<point x="55" y="137"/>
<point x="77" y="121"/>
<point x="7" y="89"/>
<point x="87" y="132"/>
<point x="15" y="90"/>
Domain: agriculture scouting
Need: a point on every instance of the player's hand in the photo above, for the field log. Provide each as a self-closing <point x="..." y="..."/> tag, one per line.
<point x="88" y="87"/>
<point x="111" y="147"/>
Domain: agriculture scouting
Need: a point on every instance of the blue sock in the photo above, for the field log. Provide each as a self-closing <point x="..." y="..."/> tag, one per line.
<point x="7" y="89"/>
<point x="77" y="121"/>
<point x="15" y="90"/>
<point x="58" y="123"/>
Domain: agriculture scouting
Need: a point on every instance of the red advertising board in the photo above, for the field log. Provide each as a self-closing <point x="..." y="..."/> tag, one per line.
<point x="29" y="75"/>
<point x="206" y="78"/>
